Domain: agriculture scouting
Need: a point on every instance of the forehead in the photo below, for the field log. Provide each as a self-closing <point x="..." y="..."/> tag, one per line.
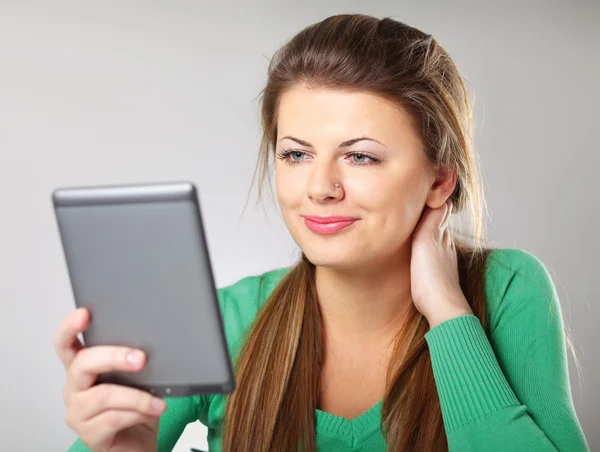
<point x="323" y="112"/>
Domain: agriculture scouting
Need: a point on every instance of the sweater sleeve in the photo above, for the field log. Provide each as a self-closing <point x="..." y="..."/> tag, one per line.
<point x="510" y="391"/>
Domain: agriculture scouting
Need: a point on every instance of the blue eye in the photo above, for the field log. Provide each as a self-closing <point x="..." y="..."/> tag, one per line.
<point x="359" y="158"/>
<point x="362" y="159"/>
<point x="297" y="155"/>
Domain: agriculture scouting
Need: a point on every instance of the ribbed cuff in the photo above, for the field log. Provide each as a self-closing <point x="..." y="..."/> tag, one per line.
<point x="468" y="377"/>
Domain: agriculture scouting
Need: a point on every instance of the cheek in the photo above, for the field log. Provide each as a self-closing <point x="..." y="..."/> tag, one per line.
<point x="285" y="196"/>
<point x="282" y="188"/>
<point x="397" y="208"/>
<point x="288" y="198"/>
<point x="290" y="185"/>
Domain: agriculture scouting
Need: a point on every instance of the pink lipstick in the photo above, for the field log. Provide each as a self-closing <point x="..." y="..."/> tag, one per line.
<point x="328" y="225"/>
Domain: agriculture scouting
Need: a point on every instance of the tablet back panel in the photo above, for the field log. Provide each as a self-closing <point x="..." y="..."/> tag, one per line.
<point x="138" y="260"/>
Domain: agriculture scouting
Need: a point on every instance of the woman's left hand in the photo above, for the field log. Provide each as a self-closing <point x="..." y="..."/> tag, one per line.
<point x="435" y="283"/>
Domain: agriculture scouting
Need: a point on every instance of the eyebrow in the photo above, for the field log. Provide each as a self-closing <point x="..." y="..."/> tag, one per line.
<point x="342" y="145"/>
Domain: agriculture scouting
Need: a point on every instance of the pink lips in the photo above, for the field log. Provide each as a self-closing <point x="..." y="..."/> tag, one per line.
<point x="328" y="225"/>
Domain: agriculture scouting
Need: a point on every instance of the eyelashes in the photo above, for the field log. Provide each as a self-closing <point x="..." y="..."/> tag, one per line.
<point x="288" y="155"/>
<point x="355" y="158"/>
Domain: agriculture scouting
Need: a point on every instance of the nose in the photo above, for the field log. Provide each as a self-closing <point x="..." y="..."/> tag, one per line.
<point x="324" y="184"/>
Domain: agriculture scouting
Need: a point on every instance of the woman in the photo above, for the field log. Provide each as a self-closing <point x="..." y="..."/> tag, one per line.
<point x="389" y="333"/>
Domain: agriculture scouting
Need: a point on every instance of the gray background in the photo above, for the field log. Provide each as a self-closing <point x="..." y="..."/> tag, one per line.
<point x="125" y="91"/>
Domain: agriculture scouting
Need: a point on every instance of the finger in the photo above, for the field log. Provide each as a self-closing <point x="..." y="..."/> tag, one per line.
<point x="105" y="397"/>
<point x="65" y="340"/>
<point x="92" y="361"/>
<point x="447" y="239"/>
<point x="102" y="428"/>
<point x="447" y="212"/>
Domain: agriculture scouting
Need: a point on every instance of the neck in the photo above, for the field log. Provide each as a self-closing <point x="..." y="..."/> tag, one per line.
<point x="365" y="306"/>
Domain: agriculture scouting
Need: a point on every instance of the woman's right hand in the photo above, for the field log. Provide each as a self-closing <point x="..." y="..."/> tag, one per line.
<point x="106" y="417"/>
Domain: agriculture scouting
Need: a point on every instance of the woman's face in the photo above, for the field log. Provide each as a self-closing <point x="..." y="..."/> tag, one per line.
<point x="384" y="179"/>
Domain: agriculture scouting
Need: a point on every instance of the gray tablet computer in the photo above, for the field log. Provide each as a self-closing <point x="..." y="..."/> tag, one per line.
<point x="137" y="259"/>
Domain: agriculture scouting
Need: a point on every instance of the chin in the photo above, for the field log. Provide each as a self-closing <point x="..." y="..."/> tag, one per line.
<point x="347" y="255"/>
<point x="342" y="259"/>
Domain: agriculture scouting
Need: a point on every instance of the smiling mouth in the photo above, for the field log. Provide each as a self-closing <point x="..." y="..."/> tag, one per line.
<point x="328" y="225"/>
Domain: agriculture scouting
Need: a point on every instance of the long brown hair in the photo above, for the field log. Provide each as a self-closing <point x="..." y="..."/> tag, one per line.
<point x="278" y="368"/>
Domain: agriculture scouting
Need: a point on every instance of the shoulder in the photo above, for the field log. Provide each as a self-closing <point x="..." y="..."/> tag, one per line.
<point x="511" y="268"/>
<point x="511" y="261"/>
<point x="241" y="301"/>
<point x="245" y="297"/>
<point x="518" y="283"/>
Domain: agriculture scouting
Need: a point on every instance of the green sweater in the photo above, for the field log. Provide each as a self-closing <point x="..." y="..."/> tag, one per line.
<point x="508" y="391"/>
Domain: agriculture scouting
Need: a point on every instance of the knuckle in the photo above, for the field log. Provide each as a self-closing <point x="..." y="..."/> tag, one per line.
<point x="133" y="399"/>
<point x="104" y="391"/>
<point x="81" y="357"/>
<point x="104" y="396"/>
<point x="112" y="420"/>
<point x="108" y="397"/>
<point x="97" y="394"/>
<point x="75" y="404"/>
<point x="143" y="401"/>
<point x="84" y="359"/>
<point x="92" y="401"/>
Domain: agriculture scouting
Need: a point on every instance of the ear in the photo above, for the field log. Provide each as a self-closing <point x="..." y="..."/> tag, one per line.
<point x="442" y="187"/>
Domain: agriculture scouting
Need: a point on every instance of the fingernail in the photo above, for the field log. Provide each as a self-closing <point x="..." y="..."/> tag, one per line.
<point x="158" y="405"/>
<point x="135" y="357"/>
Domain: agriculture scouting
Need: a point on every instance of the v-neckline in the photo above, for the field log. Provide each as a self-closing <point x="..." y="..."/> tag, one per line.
<point x="354" y="430"/>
